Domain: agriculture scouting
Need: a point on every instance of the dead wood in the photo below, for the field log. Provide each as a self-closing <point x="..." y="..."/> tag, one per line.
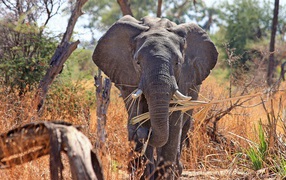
<point x="63" y="51"/>
<point x="102" y="100"/>
<point x="34" y="140"/>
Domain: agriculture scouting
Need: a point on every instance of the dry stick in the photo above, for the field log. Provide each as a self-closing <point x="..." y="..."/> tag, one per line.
<point x="63" y="51"/>
<point x="34" y="140"/>
<point x="188" y="105"/>
<point x="102" y="101"/>
<point x="237" y="103"/>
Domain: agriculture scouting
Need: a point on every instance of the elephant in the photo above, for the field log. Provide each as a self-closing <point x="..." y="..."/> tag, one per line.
<point x="154" y="60"/>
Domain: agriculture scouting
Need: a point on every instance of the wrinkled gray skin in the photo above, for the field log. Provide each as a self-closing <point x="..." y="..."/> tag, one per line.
<point x="159" y="57"/>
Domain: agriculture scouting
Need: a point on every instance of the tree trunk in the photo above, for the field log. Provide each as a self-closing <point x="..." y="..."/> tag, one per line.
<point x="271" y="62"/>
<point x="63" y="51"/>
<point x="125" y="7"/>
<point x="102" y="101"/>
<point x="159" y="8"/>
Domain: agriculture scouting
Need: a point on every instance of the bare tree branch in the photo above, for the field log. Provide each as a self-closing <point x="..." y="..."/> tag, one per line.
<point x="125" y="7"/>
<point x="59" y="58"/>
<point x="159" y="8"/>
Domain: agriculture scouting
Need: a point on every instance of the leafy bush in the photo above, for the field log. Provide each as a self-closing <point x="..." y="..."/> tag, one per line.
<point x="24" y="55"/>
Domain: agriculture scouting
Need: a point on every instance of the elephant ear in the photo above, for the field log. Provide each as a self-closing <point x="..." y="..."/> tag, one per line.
<point x="200" y="52"/>
<point x="113" y="53"/>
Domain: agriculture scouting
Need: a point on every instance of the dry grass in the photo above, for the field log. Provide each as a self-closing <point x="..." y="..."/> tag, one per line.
<point x="70" y="104"/>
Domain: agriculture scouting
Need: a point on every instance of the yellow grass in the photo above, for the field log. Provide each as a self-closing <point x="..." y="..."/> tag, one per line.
<point x="185" y="106"/>
<point x="72" y="107"/>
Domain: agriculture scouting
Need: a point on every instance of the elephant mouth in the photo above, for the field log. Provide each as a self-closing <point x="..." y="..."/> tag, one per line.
<point x="177" y="95"/>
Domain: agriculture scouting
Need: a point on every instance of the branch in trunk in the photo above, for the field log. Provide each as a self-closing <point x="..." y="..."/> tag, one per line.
<point x="60" y="56"/>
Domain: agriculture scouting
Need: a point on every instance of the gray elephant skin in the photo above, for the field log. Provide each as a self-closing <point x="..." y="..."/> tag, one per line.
<point x="162" y="60"/>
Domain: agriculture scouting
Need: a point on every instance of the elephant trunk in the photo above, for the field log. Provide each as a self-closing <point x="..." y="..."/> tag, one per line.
<point x="159" y="114"/>
<point x="158" y="89"/>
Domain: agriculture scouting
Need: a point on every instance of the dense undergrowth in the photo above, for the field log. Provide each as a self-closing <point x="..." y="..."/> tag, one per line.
<point x="244" y="136"/>
<point x="249" y="138"/>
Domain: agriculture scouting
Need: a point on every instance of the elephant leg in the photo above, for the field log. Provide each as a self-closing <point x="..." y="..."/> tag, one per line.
<point x="168" y="154"/>
<point x="142" y="167"/>
<point x="187" y="123"/>
<point x="150" y="164"/>
<point x="186" y="127"/>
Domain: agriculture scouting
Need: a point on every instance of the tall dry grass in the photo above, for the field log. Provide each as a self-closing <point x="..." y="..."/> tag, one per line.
<point x="72" y="104"/>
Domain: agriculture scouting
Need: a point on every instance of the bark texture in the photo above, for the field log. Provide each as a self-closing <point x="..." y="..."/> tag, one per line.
<point x="102" y="101"/>
<point x="34" y="140"/>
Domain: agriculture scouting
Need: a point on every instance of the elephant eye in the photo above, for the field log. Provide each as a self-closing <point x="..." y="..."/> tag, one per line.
<point x="178" y="62"/>
<point x="138" y="62"/>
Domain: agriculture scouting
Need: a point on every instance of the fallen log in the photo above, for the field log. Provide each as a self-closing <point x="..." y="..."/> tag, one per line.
<point x="33" y="140"/>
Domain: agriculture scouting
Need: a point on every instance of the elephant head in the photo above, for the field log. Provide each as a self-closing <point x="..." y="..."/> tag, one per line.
<point x="158" y="57"/>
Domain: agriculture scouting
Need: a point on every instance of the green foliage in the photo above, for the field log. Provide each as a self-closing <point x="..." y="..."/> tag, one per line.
<point x="103" y="14"/>
<point x="255" y="158"/>
<point x="257" y="154"/>
<point x="281" y="167"/>
<point x="79" y="66"/>
<point x="244" y="21"/>
<point x="24" y="55"/>
<point x="262" y="148"/>
<point x="72" y="93"/>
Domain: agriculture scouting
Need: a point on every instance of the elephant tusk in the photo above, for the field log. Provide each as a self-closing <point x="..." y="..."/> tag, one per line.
<point x="136" y="94"/>
<point x="180" y="96"/>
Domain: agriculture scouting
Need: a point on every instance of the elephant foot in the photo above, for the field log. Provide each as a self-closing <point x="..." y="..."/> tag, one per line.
<point x="141" y="167"/>
<point x="167" y="171"/>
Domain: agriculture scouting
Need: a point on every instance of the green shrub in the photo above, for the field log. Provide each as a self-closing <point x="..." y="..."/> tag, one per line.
<point x="24" y="55"/>
<point x="257" y="154"/>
